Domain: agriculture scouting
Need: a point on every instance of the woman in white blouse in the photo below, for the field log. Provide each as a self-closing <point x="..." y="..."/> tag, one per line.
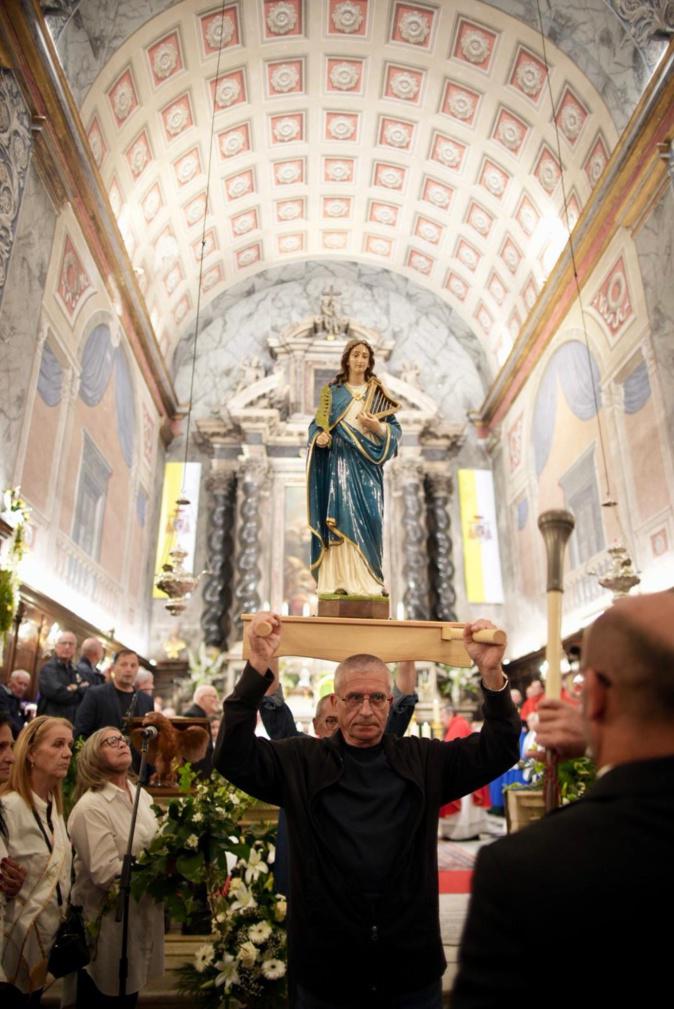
<point x="36" y="839"/>
<point x="99" y="829"/>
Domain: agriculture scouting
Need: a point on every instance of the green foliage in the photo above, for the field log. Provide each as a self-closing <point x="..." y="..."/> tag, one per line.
<point x="7" y="599"/>
<point x="206" y="664"/>
<point x="15" y="509"/>
<point x="202" y="843"/>
<point x="456" y="680"/>
<point x="575" y="777"/>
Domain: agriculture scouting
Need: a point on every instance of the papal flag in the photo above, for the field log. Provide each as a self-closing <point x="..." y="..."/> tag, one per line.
<point x="181" y="480"/>
<point x="481" y="560"/>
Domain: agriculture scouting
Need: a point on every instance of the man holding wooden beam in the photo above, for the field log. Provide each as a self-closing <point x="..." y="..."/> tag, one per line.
<point x="362" y="810"/>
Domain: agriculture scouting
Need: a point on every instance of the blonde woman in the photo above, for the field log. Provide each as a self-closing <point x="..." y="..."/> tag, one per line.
<point x="37" y="840"/>
<point x="99" y="829"/>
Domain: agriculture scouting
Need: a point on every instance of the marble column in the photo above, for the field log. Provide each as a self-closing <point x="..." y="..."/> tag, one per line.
<point x="15" y="147"/>
<point x="440" y="547"/>
<point x="252" y="488"/>
<point x="409" y="473"/>
<point x="217" y="589"/>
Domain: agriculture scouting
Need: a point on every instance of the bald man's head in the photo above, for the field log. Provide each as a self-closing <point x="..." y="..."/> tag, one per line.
<point x="631" y="648"/>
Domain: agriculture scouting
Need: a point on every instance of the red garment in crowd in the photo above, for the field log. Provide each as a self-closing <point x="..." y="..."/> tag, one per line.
<point x="529" y="706"/>
<point x="458" y="728"/>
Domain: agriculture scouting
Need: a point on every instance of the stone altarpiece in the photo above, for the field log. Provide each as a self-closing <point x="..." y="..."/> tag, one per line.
<point x="257" y="537"/>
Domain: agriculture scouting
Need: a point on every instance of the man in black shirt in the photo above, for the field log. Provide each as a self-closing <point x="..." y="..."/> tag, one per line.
<point x="91" y="654"/>
<point x="62" y="687"/>
<point x="12" y="694"/>
<point x="115" y="701"/>
<point x="362" y="808"/>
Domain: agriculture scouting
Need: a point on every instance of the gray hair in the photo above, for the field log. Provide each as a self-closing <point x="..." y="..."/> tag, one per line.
<point x="360" y="663"/>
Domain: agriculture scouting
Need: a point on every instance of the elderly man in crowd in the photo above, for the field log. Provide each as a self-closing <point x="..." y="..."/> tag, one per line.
<point x="597" y="875"/>
<point x="116" y="701"/>
<point x="205" y="704"/>
<point x="12" y="694"/>
<point x="62" y="687"/>
<point x="362" y="808"/>
<point x="145" y="681"/>
<point x="91" y="655"/>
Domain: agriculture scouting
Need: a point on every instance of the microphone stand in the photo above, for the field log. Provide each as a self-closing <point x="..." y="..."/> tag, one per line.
<point x="122" y="913"/>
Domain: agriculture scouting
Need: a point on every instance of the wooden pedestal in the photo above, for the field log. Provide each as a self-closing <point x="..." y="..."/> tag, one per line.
<point x="360" y="609"/>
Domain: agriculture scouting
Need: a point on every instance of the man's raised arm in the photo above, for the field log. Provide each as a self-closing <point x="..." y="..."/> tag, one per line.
<point x="242" y="757"/>
<point x="482" y="756"/>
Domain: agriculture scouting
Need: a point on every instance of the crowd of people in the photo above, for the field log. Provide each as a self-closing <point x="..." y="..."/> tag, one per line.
<point x="361" y="805"/>
<point x="45" y="864"/>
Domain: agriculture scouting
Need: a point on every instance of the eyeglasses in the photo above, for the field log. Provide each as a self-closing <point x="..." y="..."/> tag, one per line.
<point x="376" y="700"/>
<point x="114" y="742"/>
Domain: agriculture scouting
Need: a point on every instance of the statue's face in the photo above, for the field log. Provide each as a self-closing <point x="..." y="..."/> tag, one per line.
<point x="359" y="360"/>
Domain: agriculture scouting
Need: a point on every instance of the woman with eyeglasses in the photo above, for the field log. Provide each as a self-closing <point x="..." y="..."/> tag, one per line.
<point x="99" y="829"/>
<point x="37" y="840"/>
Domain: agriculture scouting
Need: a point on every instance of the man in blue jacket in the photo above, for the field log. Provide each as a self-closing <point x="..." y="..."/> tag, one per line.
<point x="362" y="808"/>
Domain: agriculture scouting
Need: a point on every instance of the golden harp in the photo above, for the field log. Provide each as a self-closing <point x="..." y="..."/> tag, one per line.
<point x="379" y="401"/>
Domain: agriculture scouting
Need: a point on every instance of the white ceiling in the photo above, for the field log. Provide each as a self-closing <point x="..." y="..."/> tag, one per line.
<point x="417" y="137"/>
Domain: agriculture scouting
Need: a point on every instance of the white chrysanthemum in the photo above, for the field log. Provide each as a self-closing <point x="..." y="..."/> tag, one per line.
<point x="197" y="818"/>
<point x="259" y="933"/>
<point x="273" y="969"/>
<point x="204" y="956"/>
<point x="192" y="841"/>
<point x="247" y="953"/>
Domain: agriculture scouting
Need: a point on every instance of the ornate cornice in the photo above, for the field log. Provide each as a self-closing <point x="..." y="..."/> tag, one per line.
<point x="632" y="181"/>
<point x="69" y="171"/>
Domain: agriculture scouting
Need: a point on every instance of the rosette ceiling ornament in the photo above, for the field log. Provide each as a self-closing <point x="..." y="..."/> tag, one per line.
<point x="409" y="135"/>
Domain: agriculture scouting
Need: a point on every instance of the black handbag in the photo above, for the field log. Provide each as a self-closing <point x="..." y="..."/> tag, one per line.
<point x="70" y="950"/>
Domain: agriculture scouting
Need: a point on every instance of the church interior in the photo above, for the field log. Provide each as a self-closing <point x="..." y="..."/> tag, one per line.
<point x="201" y="203"/>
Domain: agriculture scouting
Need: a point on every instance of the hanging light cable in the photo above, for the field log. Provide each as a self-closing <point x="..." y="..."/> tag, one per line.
<point x="175" y="581"/>
<point x="621" y="577"/>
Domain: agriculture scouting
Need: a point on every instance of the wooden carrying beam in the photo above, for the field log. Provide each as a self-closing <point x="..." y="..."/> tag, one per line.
<point x="390" y="640"/>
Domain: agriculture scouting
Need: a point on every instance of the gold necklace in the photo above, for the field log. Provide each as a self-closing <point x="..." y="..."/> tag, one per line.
<point x="357" y="395"/>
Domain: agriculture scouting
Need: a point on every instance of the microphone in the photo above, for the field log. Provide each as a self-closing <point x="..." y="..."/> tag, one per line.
<point x="149" y="732"/>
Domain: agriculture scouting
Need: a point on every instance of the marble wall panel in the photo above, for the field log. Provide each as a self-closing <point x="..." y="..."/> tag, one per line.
<point x="96" y="32"/>
<point x="15" y="147"/>
<point x="601" y="43"/>
<point x="20" y="317"/>
<point x="655" y="249"/>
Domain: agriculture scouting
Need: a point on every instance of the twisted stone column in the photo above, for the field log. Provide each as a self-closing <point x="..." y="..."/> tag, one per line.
<point x="415" y="564"/>
<point x="217" y="586"/>
<point x="440" y="547"/>
<point x="252" y="485"/>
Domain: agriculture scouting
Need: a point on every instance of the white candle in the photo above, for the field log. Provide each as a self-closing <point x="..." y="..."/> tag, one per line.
<point x="426" y="731"/>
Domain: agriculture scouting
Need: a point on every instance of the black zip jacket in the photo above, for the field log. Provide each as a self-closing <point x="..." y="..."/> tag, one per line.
<point x="340" y="942"/>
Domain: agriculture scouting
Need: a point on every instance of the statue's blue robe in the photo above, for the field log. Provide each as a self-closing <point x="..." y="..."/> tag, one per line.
<point x="345" y="486"/>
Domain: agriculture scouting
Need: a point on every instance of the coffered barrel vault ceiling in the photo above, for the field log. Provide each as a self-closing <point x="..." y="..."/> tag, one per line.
<point x="416" y="137"/>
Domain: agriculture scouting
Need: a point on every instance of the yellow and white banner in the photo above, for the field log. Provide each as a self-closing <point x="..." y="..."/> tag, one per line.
<point x="180" y="480"/>
<point x="481" y="561"/>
